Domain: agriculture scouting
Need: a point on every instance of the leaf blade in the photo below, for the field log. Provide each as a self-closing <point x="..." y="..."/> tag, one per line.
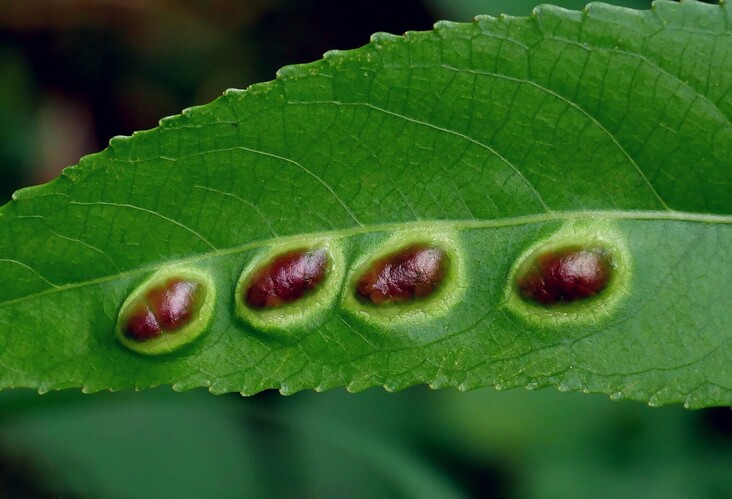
<point x="385" y="138"/>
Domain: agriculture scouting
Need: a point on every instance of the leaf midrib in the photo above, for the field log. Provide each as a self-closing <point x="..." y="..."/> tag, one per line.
<point x="455" y="225"/>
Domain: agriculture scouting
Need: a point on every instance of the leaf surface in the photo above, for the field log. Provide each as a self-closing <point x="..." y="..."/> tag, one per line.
<point x="501" y="133"/>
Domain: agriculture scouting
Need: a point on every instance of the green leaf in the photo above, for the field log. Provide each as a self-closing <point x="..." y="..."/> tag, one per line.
<point x="466" y="9"/>
<point x="490" y="139"/>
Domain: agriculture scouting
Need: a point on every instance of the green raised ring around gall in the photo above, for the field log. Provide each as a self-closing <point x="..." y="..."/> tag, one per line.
<point x="578" y="274"/>
<point x="413" y="277"/>
<point x="291" y="286"/>
<point x="166" y="312"/>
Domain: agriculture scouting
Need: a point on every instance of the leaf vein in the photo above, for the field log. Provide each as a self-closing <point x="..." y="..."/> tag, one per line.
<point x="31" y="269"/>
<point x="416" y="121"/>
<point x="151" y="212"/>
<point x="579" y="108"/>
<point x="441" y="224"/>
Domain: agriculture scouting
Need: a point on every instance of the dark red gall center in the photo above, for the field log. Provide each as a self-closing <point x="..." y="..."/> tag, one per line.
<point x="142" y="324"/>
<point x="566" y="276"/>
<point x="411" y="273"/>
<point x="287" y="278"/>
<point x="163" y="309"/>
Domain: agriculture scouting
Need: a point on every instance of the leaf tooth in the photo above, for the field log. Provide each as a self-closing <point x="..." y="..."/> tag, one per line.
<point x="488" y="23"/>
<point x="189" y="111"/>
<point x="248" y="391"/>
<point x="575" y="379"/>
<point x="352" y="388"/>
<point x="182" y="386"/>
<point x="328" y="381"/>
<point x="696" y="399"/>
<point x="669" y="394"/>
<point x="234" y="92"/>
<point x="167" y="120"/>
<point x="446" y="25"/>
<point x="401" y="383"/>
<point x="334" y="54"/>
<point x="441" y="380"/>
<point x="616" y="395"/>
<point x="391" y="387"/>
<point x="654" y="401"/>
<point x="548" y="9"/>
<point x="287" y="389"/>
<point x="88" y="389"/>
<point x="28" y="192"/>
<point x="532" y="385"/>
<point x="360" y="384"/>
<point x="289" y="71"/>
<point x="381" y="38"/>
<point x="120" y="140"/>
<point x="471" y="384"/>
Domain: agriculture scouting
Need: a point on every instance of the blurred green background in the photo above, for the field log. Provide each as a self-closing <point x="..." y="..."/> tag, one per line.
<point x="74" y="73"/>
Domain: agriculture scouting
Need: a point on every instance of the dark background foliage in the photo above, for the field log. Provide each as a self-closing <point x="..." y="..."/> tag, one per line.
<point x="73" y="74"/>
